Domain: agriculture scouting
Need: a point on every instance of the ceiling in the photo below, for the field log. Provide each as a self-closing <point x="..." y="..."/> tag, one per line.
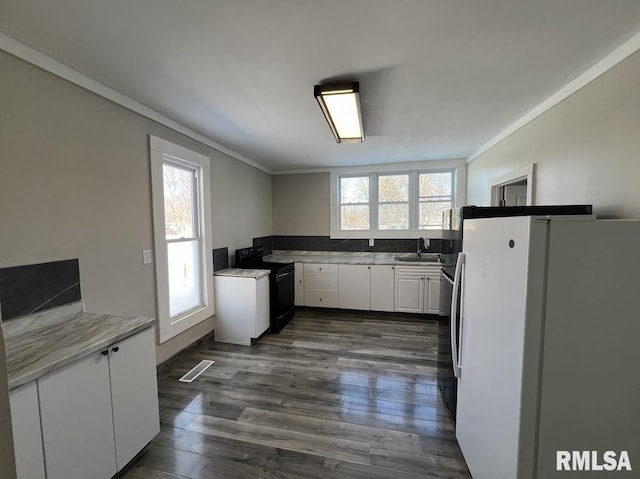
<point x="438" y="78"/>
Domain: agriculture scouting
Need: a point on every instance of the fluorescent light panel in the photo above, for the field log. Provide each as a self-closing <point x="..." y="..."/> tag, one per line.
<point x="341" y="107"/>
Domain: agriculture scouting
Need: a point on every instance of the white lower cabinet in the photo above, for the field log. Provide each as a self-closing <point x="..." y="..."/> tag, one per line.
<point x="409" y="293"/>
<point x="417" y="289"/>
<point x="242" y="308"/>
<point x="321" y="285"/>
<point x="27" y="437"/>
<point x="299" y="284"/>
<point x="432" y="294"/>
<point x="354" y="291"/>
<point x="77" y="423"/>
<point x="382" y="287"/>
<point x="99" y="412"/>
<point x="134" y="395"/>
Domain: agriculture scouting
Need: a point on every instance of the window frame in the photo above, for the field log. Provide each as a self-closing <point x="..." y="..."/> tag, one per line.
<point x="376" y="178"/>
<point x="457" y="169"/>
<point x="162" y="151"/>
<point x="340" y="204"/>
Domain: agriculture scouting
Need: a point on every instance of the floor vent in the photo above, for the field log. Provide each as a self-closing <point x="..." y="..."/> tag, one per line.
<point x="195" y="372"/>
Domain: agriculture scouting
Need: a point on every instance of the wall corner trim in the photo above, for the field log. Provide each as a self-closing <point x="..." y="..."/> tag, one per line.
<point x="41" y="60"/>
<point x="612" y="59"/>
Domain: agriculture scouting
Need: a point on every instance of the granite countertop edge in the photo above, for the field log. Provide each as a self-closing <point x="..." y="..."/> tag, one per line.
<point x="243" y="273"/>
<point x="339" y="257"/>
<point x="63" y="341"/>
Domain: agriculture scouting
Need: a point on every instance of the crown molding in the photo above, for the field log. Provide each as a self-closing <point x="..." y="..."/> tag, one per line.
<point x="41" y="60"/>
<point x="612" y="59"/>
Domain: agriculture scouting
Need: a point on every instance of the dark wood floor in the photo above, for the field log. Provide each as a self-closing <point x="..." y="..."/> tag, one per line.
<point x="334" y="395"/>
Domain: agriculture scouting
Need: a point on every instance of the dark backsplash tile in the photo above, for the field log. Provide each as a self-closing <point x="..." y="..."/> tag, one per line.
<point x="324" y="243"/>
<point x="220" y="258"/>
<point x="37" y="287"/>
<point x="266" y="242"/>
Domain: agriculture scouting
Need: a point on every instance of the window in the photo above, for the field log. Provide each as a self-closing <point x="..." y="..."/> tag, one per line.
<point x="354" y="203"/>
<point x="392" y="203"/>
<point x="182" y="230"/>
<point x="434" y="196"/>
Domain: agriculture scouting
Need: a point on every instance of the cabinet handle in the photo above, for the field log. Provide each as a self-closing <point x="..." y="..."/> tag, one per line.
<point x="104" y="353"/>
<point x="320" y="299"/>
<point x="422" y="278"/>
<point x="393" y="267"/>
<point x="368" y="267"/>
<point x="116" y="349"/>
<point x="319" y="269"/>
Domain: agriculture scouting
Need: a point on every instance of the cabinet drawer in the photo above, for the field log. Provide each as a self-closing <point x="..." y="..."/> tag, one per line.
<point x="419" y="270"/>
<point x="320" y="268"/>
<point x="321" y="298"/>
<point x="320" y="280"/>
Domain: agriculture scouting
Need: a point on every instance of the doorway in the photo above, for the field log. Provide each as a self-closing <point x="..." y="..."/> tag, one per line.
<point x="514" y="188"/>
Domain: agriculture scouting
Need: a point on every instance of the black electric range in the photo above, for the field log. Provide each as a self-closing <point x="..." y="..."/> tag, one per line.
<point x="281" y="285"/>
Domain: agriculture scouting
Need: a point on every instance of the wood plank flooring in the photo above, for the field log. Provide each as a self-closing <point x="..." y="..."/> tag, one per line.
<point x="334" y="395"/>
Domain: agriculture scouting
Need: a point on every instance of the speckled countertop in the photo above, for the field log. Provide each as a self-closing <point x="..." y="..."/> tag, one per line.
<point x="41" y="343"/>
<point x="243" y="273"/>
<point x="342" y="257"/>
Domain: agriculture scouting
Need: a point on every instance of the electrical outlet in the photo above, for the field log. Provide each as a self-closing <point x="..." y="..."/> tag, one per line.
<point x="146" y="256"/>
<point x="371" y="242"/>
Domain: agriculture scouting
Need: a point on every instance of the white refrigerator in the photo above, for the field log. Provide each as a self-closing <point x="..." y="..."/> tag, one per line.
<point x="549" y="356"/>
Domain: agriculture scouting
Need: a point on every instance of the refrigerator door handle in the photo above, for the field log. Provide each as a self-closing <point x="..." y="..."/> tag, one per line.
<point x="455" y="299"/>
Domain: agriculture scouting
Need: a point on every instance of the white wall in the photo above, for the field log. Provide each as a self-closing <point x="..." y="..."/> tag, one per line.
<point x="301" y="204"/>
<point x="586" y="148"/>
<point x="75" y="183"/>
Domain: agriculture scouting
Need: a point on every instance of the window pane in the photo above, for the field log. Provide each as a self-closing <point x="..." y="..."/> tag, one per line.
<point x="354" y="217"/>
<point x="184" y="276"/>
<point x="179" y="204"/>
<point x="393" y="216"/>
<point x="354" y="190"/>
<point x="435" y="184"/>
<point x="393" y="188"/>
<point x="431" y="213"/>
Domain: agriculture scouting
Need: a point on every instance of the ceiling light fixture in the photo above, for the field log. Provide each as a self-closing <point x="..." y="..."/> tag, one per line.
<point x="340" y="104"/>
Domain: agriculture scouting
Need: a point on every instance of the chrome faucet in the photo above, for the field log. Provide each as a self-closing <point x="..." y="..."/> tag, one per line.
<point x="426" y="243"/>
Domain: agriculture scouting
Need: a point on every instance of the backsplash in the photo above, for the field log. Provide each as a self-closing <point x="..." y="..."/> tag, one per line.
<point x="325" y="243"/>
<point x="220" y="258"/>
<point x="37" y="287"/>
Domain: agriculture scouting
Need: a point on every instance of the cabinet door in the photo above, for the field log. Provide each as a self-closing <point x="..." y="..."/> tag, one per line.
<point x="382" y="287"/>
<point x="432" y="295"/>
<point x="354" y="286"/>
<point x="77" y="423"/>
<point x="299" y="284"/>
<point x="27" y="437"/>
<point x="134" y="393"/>
<point x="409" y="293"/>
<point x="263" y="320"/>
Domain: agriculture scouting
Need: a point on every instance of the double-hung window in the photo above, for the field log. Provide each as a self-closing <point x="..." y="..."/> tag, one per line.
<point x="355" y="212"/>
<point x="435" y="194"/>
<point x="182" y="230"/>
<point x="393" y="201"/>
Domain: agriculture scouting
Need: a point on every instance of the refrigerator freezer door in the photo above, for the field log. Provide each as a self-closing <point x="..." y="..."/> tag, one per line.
<point x="590" y="386"/>
<point x="495" y="308"/>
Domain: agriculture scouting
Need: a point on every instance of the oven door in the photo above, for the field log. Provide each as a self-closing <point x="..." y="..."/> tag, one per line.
<point x="282" y="297"/>
<point x="447" y="383"/>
